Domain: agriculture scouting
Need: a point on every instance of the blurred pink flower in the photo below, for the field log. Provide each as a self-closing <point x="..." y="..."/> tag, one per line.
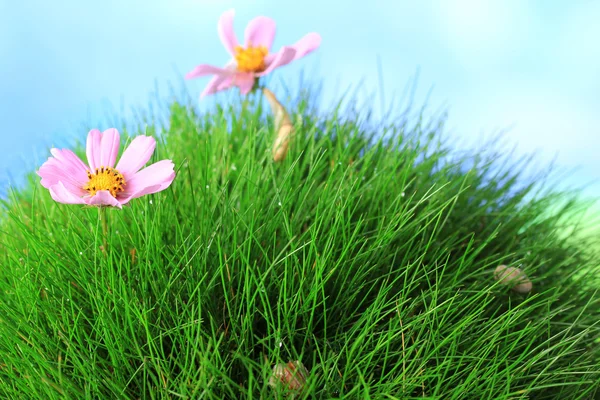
<point x="70" y="181"/>
<point x="254" y="59"/>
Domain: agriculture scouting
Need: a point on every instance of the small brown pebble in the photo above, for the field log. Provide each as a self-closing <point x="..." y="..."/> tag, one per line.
<point x="513" y="277"/>
<point x="292" y="376"/>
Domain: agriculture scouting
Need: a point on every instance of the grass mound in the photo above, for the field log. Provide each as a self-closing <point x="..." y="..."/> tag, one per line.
<point x="369" y="260"/>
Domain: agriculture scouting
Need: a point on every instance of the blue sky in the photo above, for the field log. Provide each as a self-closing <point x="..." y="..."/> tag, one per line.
<point x="533" y="66"/>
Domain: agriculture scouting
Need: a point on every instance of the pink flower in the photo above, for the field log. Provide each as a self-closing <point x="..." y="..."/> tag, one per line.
<point x="70" y="181"/>
<point x="254" y="59"/>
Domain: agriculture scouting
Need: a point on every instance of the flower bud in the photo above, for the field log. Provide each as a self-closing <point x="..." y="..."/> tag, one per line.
<point x="283" y="125"/>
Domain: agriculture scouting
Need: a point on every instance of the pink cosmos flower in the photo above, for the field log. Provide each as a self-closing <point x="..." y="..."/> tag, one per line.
<point x="70" y="181"/>
<point x="252" y="60"/>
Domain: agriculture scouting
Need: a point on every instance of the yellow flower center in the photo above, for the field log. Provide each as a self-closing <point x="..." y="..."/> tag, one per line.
<point x="251" y="59"/>
<point x="105" y="178"/>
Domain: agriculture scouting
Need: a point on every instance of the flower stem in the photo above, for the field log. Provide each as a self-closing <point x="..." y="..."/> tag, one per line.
<point x="103" y="219"/>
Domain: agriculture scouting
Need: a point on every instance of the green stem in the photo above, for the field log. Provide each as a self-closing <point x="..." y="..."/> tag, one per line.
<point x="103" y="220"/>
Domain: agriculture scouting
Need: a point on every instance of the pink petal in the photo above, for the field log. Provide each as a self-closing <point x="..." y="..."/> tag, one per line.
<point x="103" y="198"/>
<point x="226" y="32"/>
<point x="140" y="193"/>
<point x="136" y="155"/>
<point x="223" y="81"/>
<point x="260" y="32"/>
<point x="64" y="167"/>
<point x="69" y="158"/>
<point x="281" y="58"/>
<point x="152" y="179"/>
<point x="60" y="194"/>
<point x="92" y="148"/>
<point x="245" y="82"/>
<point x="307" y="44"/>
<point x="216" y="84"/>
<point x="52" y="174"/>
<point x="109" y="147"/>
<point x="205" y="69"/>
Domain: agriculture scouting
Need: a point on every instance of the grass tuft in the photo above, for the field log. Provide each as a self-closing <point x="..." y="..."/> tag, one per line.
<point x="368" y="255"/>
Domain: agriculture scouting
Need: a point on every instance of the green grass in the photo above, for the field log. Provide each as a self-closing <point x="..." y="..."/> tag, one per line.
<point x="369" y="260"/>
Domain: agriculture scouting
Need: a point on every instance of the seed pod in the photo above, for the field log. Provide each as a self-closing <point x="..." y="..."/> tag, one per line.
<point x="283" y="125"/>
<point x="291" y="376"/>
<point x="513" y="277"/>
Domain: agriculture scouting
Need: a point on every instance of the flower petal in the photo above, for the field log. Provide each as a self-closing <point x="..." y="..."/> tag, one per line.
<point x="92" y="148"/>
<point x="217" y="83"/>
<point x="69" y="158"/>
<point x="60" y="194"/>
<point x="222" y="81"/>
<point x="284" y="56"/>
<point x="205" y="69"/>
<point x="136" y="155"/>
<point x="226" y="32"/>
<point x="103" y="198"/>
<point x="109" y="147"/>
<point x="260" y="32"/>
<point x="52" y="174"/>
<point x="140" y="193"/>
<point x="152" y="179"/>
<point x="245" y="82"/>
<point x="64" y="167"/>
<point x="307" y="44"/>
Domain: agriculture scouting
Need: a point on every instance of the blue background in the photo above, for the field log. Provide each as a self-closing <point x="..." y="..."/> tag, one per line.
<point x="531" y="66"/>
